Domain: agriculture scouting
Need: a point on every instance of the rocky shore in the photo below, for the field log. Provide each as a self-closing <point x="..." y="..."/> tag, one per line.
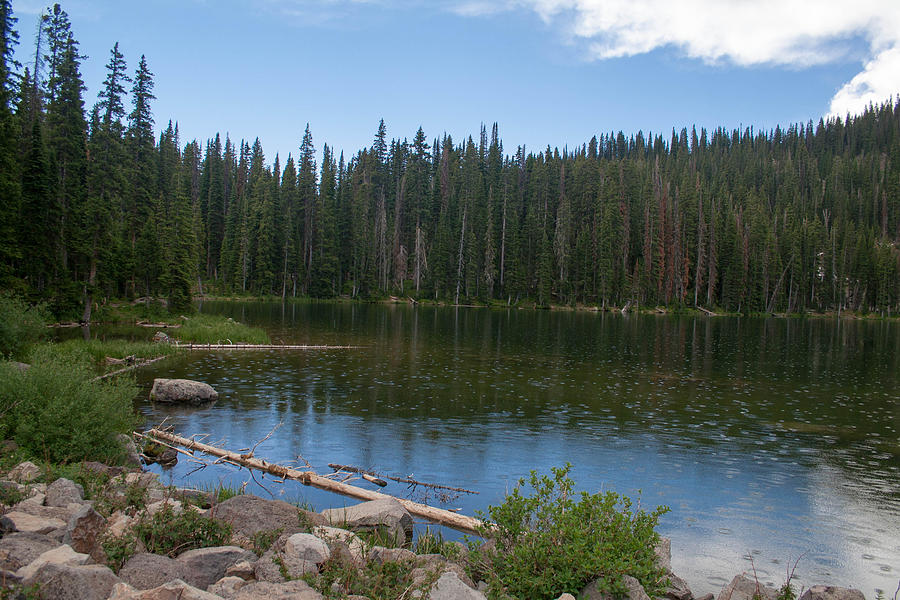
<point x="55" y="544"/>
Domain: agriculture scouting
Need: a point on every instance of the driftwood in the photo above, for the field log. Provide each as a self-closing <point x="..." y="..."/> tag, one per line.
<point x="437" y="515"/>
<point x="405" y="480"/>
<point x="706" y="311"/>
<point x="196" y="346"/>
<point x="130" y="368"/>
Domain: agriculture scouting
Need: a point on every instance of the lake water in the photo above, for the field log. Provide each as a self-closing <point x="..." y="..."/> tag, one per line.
<point x="775" y="439"/>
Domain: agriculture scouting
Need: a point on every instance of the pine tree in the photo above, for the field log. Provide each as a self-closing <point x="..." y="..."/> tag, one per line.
<point x="9" y="168"/>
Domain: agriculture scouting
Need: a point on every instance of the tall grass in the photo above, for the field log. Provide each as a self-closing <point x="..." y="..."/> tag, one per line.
<point x="20" y="325"/>
<point x="209" y="329"/>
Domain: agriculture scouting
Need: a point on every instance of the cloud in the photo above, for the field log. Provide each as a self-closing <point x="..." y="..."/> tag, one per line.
<point x="792" y="33"/>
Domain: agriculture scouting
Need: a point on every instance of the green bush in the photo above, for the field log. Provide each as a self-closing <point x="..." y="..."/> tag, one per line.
<point x="171" y="533"/>
<point x="208" y="329"/>
<point x="20" y="324"/>
<point x="555" y="541"/>
<point x="57" y="411"/>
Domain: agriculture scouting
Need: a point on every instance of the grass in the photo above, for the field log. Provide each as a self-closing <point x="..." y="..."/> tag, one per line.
<point x="209" y="329"/>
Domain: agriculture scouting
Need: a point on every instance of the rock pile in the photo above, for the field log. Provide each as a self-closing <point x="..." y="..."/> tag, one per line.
<point x="52" y="536"/>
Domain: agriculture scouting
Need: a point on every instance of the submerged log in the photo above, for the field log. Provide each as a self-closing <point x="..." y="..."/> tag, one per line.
<point x="436" y="515"/>
<point x="405" y="480"/>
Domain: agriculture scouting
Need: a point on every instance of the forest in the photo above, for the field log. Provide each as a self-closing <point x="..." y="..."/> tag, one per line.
<point x="95" y="205"/>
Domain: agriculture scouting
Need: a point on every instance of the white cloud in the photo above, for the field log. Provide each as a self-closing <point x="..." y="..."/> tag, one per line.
<point x="795" y="33"/>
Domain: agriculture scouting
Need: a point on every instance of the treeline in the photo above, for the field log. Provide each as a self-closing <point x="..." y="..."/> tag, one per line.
<point x="95" y="206"/>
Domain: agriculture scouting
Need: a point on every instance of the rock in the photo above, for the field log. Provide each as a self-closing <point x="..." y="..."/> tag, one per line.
<point x="450" y="587"/>
<point x="208" y="565"/>
<point x="566" y="597"/>
<point x="827" y="592"/>
<point x="382" y="555"/>
<point x="154" y="507"/>
<point x="332" y="535"/>
<point x="62" y="555"/>
<point x="295" y="567"/>
<point x="20" y="521"/>
<point x="292" y="590"/>
<point x="678" y="588"/>
<point x="132" y="456"/>
<point x="84" y="530"/>
<point x="744" y="588"/>
<point x="118" y="523"/>
<point x="101" y="469"/>
<point x="63" y="492"/>
<point x="635" y="591"/>
<point x="182" y="391"/>
<point x="227" y="587"/>
<point x="387" y="516"/>
<point x="266" y="569"/>
<point x="173" y="590"/>
<point x="242" y="569"/>
<point x="250" y="515"/>
<point x="663" y="551"/>
<point x="75" y="582"/>
<point x="24" y="472"/>
<point x="19" y="549"/>
<point x="706" y="597"/>
<point x="145" y="571"/>
<point x="305" y="546"/>
<point x="20" y="366"/>
<point x="161" y="338"/>
<point x="435" y="564"/>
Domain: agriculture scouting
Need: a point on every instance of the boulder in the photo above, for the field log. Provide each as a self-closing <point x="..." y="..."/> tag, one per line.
<point x="334" y="536"/>
<point x="84" y="530"/>
<point x="678" y="588"/>
<point x="182" y="391"/>
<point x="250" y="515"/>
<point x="132" y="456"/>
<point x="173" y="590"/>
<point x="145" y="571"/>
<point x="385" y="516"/>
<point x="20" y="521"/>
<point x="24" y="472"/>
<point x="828" y="592"/>
<point x="208" y="565"/>
<point x="634" y="590"/>
<point x="75" y="582"/>
<point x="19" y="549"/>
<point x="243" y="569"/>
<point x="744" y="588"/>
<point x="62" y="555"/>
<point x="63" y="492"/>
<point x="227" y="587"/>
<point x="663" y="551"/>
<point x="382" y="555"/>
<point x="566" y="597"/>
<point x="305" y="546"/>
<point x="291" y="590"/>
<point x="266" y="569"/>
<point x="450" y="587"/>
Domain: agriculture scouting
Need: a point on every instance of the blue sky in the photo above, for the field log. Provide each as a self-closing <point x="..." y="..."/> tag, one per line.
<point x="549" y="72"/>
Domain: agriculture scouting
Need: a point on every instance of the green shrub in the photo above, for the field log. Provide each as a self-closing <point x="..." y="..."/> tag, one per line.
<point x="20" y="324"/>
<point x="339" y="577"/>
<point x="556" y="541"/>
<point x="171" y="533"/>
<point x="57" y="411"/>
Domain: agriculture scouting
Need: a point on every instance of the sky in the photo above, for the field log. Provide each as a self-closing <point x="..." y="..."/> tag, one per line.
<point x="548" y="72"/>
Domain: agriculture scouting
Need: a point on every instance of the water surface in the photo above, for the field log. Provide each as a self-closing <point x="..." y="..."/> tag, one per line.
<point x="768" y="438"/>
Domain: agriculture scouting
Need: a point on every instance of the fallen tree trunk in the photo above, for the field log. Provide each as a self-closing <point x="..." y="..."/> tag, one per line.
<point x="130" y="368"/>
<point x="196" y="346"/>
<point x="436" y="515"/>
<point x="406" y="480"/>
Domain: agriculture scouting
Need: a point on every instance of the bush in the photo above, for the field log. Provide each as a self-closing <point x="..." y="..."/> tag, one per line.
<point x="171" y="533"/>
<point x="207" y="329"/>
<point x="20" y="324"/>
<point x="57" y="411"/>
<point x="549" y="543"/>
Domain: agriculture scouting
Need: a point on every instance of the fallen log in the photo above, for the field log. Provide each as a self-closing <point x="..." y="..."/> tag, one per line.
<point x="437" y="515"/>
<point x="197" y="346"/>
<point x="707" y="311"/>
<point x="130" y="368"/>
<point x="406" y="480"/>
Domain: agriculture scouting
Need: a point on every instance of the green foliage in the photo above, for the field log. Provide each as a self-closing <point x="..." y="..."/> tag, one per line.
<point x="170" y="533"/>
<point x="57" y="410"/>
<point x="20" y="324"/>
<point x="207" y="329"/>
<point x="556" y="541"/>
<point x="263" y="540"/>
<point x="433" y="543"/>
<point x="338" y="578"/>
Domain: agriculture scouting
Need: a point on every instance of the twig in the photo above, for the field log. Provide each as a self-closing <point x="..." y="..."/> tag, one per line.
<point x="129" y="368"/>
<point x="406" y="480"/>
<point x="268" y="435"/>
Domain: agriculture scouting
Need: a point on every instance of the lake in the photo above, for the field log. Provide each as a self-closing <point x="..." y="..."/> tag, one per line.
<point x="770" y="439"/>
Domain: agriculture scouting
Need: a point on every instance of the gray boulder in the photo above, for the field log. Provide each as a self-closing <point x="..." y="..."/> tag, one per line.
<point x="63" y="555"/>
<point x="828" y="592"/>
<point x="75" y="582"/>
<point x="84" y="530"/>
<point x="227" y="587"/>
<point x="208" y="565"/>
<point x="291" y="590"/>
<point x="744" y="588"/>
<point x="385" y="516"/>
<point x="250" y="515"/>
<point x="19" y="549"/>
<point x="663" y="551"/>
<point x="21" y="521"/>
<point x="635" y="591"/>
<point x="63" y="492"/>
<point x="305" y="546"/>
<point x="173" y="590"/>
<point x="24" y="472"/>
<point x="145" y="571"/>
<point x="182" y="391"/>
<point x="450" y="587"/>
<point x="678" y="588"/>
<point x="132" y="456"/>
